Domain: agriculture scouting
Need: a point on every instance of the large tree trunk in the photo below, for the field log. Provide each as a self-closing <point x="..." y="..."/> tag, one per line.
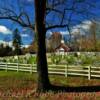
<point x="42" y="70"/>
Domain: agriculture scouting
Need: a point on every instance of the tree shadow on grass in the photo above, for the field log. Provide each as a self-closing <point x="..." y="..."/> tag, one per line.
<point x="75" y="89"/>
<point x="52" y="88"/>
<point x="66" y="89"/>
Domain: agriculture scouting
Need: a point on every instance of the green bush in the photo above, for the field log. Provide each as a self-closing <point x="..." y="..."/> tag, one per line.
<point x="87" y="60"/>
<point x="70" y="59"/>
<point x="56" y="59"/>
<point x="31" y="60"/>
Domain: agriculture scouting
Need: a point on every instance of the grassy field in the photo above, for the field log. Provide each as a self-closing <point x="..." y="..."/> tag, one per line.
<point x="19" y="85"/>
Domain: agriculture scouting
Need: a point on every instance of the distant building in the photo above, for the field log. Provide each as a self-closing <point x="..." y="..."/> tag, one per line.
<point x="62" y="47"/>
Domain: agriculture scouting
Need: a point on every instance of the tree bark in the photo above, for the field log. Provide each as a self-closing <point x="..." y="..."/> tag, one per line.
<point x="42" y="69"/>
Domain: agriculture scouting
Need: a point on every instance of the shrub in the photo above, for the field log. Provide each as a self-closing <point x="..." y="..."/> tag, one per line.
<point x="56" y="59"/>
<point x="70" y="59"/>
<point x="32" y="60"/>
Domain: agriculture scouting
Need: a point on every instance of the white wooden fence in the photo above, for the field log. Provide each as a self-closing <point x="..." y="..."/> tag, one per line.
<point x="75" y="70"/>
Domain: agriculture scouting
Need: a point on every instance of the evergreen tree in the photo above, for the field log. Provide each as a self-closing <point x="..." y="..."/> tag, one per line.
<point x="17" y="42"/>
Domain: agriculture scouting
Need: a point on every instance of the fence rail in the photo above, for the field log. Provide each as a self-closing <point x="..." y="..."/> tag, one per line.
<point x="89" y="71"/>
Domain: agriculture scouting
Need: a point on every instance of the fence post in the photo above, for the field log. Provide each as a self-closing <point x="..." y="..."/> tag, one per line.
<point x="89" y="72"/>
<point x="17" y="66"/>
<point x="66" y="70"/>
<point x="31" y="68"/>
<point x="6" y="66"/>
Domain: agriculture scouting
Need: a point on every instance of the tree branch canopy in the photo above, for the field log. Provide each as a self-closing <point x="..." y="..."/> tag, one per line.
<point x="59" y="13"/>
<point x="15" y="19"/>
<point x="22" y="19"/>
<point x="56" y="26"/>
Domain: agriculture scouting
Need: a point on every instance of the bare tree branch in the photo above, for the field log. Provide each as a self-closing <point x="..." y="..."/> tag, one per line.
<point x="56" y="26"/>
<point x="15" y="19"/>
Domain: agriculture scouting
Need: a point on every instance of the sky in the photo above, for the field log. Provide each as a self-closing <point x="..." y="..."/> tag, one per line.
<point x="7" y="27"/>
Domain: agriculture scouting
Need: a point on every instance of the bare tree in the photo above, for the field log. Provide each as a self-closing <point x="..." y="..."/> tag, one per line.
<point x="55" y="40"/>
<point x="93" y="33"/>
<point x="43" y="81"/>
<point x="63" y="10"/>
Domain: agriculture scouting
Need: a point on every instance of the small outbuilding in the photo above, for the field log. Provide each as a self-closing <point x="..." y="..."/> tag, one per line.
<point x="62" y="48"/>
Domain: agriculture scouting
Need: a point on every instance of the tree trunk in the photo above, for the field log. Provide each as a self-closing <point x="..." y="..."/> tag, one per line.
<point x="42" y="69"/>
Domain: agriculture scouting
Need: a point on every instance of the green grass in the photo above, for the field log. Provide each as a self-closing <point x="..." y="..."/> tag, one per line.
<point x="22" y="77"/>
<point x="21" y="83"/>
<point x="73" y="81"/>
<point x="13" y="81"/>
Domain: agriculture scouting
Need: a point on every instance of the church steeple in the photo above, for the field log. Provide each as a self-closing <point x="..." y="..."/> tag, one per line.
<point x="62" y="41"/>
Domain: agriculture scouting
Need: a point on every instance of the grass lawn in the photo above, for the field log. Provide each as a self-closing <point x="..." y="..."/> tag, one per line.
<point x="19" y="84"/>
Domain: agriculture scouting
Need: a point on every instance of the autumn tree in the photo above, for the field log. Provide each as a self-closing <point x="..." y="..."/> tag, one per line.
<point x="55" y="40"/>
<point x="93" y="35"/>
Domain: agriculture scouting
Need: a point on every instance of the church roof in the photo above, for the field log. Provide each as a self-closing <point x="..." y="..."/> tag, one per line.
<point x="63" y="46"/>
